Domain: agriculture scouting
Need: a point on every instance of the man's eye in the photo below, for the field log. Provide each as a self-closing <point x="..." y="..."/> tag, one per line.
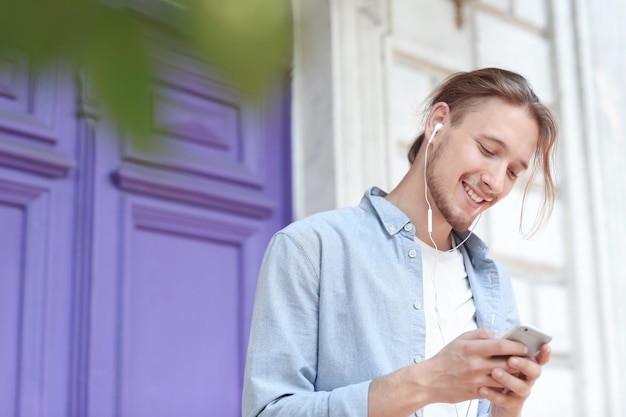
<point x="485" y="150"/>
<point x="513" y="174"/>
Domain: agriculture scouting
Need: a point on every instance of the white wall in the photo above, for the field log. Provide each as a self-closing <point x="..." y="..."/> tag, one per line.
<point x="383" y="56"/>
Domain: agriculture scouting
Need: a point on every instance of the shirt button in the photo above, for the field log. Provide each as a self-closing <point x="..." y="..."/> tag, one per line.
<point x="418" y="413"/>
<point x="392" y="229"/>
<point x="412" y="253"/>
<point x="408" y="227"/>
<point x="417" y="359"/>
<point x="417" y="305"/>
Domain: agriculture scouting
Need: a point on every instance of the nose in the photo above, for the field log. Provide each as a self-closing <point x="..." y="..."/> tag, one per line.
<point x="494" y="178"/>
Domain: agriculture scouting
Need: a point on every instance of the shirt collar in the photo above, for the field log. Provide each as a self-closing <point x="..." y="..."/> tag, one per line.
<point x="391" y="217"/>
<point x="393" y="220"/>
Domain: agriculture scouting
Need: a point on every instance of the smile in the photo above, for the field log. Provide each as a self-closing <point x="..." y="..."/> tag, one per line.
<point x="475" y="197"/>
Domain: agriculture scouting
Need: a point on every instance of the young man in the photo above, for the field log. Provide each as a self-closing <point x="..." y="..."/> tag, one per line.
<point x="393" y="307"/>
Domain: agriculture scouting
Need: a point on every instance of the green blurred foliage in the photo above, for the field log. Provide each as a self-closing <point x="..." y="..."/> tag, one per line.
<point x="250" y="37"/>
<point x="247" y="41"/>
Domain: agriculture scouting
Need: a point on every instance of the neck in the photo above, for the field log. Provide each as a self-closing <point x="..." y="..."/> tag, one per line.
<point x="408" y="196"/>
<point x="439" y="238"/>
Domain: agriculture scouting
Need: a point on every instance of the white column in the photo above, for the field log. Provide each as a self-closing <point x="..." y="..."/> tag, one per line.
<point x="359" y="32"/>
<point x="313" y="122"/>
<point x="602" y="37"/>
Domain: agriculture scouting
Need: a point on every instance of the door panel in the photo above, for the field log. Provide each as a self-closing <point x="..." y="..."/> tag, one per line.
<point x="37" y="120"/>
<point x="11" y="225"/>
<point x="182" y="309"/>
<point x="25" y="285"/>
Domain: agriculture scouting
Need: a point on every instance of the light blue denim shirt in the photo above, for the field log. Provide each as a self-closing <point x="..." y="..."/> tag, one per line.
<point x="339" y="303"/>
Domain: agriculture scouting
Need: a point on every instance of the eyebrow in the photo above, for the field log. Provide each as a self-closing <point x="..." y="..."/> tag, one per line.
<point x="505" y="147"/>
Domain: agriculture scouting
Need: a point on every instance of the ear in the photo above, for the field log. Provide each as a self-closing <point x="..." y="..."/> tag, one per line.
<point x="439" y="113"/>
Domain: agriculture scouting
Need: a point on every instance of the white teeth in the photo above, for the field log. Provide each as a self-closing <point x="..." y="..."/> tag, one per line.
<point x="473" y="195"/>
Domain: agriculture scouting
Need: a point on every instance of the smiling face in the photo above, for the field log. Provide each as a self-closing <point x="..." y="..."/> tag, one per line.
<point x="476" y="163"/>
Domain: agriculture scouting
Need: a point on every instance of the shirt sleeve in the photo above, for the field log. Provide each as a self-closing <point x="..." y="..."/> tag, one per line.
<point x="484" y="407"/>
<point x="281" y="365"/>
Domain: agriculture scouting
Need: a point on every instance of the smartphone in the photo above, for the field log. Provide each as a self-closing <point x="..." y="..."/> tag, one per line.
<point x="532" y="337"/>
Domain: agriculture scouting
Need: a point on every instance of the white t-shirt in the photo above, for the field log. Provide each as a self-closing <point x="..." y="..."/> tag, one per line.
<point x="447" y="289"/>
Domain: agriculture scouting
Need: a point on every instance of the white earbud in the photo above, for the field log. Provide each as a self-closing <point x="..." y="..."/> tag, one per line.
<point x="435" y="130"/>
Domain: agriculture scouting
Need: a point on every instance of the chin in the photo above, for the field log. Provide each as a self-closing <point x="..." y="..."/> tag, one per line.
<point x="456" y="216"/>
<point x="459" y="226"/>
<point x="460" y="223"/>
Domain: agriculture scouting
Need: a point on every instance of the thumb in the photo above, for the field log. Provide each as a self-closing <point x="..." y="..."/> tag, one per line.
<point x="544" y="354"/>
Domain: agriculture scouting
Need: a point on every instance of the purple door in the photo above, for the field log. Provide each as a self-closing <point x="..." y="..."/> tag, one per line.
<point x="127" y="276"/>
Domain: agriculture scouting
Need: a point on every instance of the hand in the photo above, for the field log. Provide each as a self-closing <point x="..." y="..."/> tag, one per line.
<point x="464" y="366"/>
<point x="453" y="375"/>
<point x="517" y="379"/>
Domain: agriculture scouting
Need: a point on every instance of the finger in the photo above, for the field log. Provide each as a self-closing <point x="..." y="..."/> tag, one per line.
<point x="544" y="354"/>
<point x="530" y="369"/>
<point x="494" y="351"/>
<point x="478" y="334"/>
<point x="505" y="348"/>
<point x="500" y="397"/>
<point x="511" y="383"/>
